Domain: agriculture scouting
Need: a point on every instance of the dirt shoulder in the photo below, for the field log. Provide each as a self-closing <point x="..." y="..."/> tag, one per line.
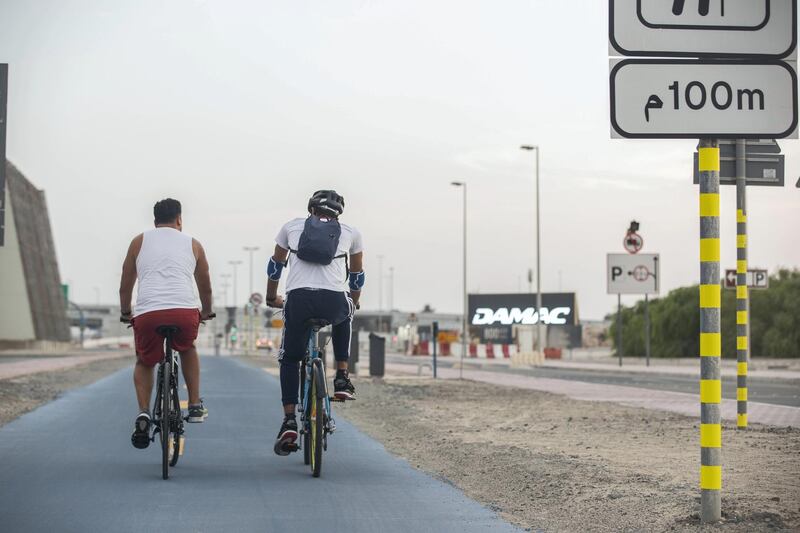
<point x="22" y="394"/>
<point x="546" y="462"/>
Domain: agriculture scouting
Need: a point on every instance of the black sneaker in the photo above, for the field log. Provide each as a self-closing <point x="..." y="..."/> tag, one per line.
<point x="342" y="387"/>
<point x="286" y="442"/>
<point x="141" y="431"/>
<point x="197" y="413"/>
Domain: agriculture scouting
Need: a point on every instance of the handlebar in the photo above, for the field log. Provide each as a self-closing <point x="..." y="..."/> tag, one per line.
<point x="129" y="319"/>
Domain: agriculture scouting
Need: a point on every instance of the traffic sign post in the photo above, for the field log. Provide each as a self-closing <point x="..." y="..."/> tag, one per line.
<point x="633" y="274"/>
<point x="737" y="87"/>
<point x="742" y="296"/>
<point x="710" y="335"/>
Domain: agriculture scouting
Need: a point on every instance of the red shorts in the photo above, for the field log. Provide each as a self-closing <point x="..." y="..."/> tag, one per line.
<point x="150" y="345"/>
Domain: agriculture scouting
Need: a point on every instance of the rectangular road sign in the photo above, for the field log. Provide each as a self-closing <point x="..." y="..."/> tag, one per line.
<point x="682" y="98"/>
<point x="762" y="170"/>
<point x="757" y="278"/>
<point x="633" y="274"/>
<point x="703" y="28"/>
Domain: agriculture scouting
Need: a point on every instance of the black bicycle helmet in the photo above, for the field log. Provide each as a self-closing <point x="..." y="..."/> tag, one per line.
<point x="326" y="202"/>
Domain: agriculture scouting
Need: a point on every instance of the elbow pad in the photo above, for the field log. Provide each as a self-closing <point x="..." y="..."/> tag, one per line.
<point x="356" y="280"/>
<point x="274" y="269"/>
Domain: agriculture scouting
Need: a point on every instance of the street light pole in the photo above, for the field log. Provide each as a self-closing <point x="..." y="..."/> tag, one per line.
<point x="464" y="331"/>
<point x="250" y="250"/>
<point x="540" y="325"/>
<point x="234" y="264"/>
<point x="225" y="285"/>
<point x="391" y="289"/>
<point x="250" y="337"/>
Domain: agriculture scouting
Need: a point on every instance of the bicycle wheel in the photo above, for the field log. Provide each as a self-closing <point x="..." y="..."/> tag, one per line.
<point x="316" y="420"/>
<point x="304" y="418"/>
<point x="166" y="414"/>
<point x="175" y="424"/>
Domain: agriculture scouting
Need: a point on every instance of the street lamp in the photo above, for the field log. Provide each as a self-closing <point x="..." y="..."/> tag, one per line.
<point x="539" y="324"/>
<point x="234" y="264"/>
<point x="464" y="331"/>
<point x="251" y="249"/>
<point x="251" y="330"/>
<point x="225" y="285"/>
<point x="391" y="289"/>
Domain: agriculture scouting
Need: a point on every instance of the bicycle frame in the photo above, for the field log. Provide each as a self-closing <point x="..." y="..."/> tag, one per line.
<point x="162" y="367"/>
<point x="313" y="353"/>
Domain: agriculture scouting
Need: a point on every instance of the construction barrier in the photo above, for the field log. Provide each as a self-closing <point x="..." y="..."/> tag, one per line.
<point x="475" y="351"/>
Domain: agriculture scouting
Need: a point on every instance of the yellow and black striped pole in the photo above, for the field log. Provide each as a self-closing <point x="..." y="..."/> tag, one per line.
<point x="742" y="303"/>
<point x="710" y="337"/>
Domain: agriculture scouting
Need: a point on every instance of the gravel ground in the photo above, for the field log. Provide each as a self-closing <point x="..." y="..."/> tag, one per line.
<point x="547" y="462"/>
<point x="25" y="393"/>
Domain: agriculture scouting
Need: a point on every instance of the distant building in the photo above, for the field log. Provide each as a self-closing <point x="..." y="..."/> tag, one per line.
<point x="32" y="304"/>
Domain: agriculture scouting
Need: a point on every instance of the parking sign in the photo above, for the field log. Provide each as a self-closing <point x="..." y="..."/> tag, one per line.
<point x="633" y="274"/>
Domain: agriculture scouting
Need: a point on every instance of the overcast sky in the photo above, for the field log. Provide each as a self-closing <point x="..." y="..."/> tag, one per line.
<point x="242" y="108"/>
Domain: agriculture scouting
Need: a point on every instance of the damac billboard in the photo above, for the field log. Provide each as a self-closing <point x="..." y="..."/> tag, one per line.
<point x="492" y="316"/>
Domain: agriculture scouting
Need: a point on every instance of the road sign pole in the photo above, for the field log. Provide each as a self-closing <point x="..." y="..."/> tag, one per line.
<point x="619" y="328"/>
<point x="742" y="296"/>
<point x="710" y="334"/>
<point x="435" y="345"/>
<point x="647" y="328"/>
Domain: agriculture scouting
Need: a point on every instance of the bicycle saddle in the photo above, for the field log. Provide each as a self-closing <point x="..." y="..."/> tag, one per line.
<point x="168" y="328"/>
<point x="317" y="323"/>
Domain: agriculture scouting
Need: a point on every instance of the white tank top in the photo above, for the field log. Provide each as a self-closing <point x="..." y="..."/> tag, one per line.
<point x="165" y="269"/>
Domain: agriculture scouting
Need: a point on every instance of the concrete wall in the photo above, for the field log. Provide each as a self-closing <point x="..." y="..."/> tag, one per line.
<point x="36" y="252"/>
<point x="16" y="321"/>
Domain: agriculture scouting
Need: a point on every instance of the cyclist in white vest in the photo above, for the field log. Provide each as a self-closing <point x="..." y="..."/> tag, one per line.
<point x="167" y="264"/>
<point x="325" y="279"/>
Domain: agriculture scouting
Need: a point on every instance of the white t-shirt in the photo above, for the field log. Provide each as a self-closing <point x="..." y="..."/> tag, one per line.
<point x="305" y="275"/>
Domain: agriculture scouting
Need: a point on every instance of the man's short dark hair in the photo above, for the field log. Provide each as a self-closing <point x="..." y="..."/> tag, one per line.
<point x="166" y="211"/>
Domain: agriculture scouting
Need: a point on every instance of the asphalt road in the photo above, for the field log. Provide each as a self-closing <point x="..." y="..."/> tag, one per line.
<point x="764" y="390"/>
<point x="69" y="467"/>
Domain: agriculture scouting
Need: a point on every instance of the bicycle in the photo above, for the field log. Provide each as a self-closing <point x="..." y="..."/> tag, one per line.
<point x="168" y="416"/>
<point x="315" y="403"/>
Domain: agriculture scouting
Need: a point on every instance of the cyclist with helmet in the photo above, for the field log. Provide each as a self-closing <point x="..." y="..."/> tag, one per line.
<point x="325" y="262"/>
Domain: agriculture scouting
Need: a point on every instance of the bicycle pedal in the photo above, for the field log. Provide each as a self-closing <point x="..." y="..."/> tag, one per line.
<point x="335" y="399"/>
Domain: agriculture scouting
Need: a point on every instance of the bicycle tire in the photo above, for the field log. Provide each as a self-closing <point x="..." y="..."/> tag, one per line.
<point x="165" y="412"/>
<point x="316" y="420"/>
<point x="175" y="422"/>
<point x="305" y="428"/>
